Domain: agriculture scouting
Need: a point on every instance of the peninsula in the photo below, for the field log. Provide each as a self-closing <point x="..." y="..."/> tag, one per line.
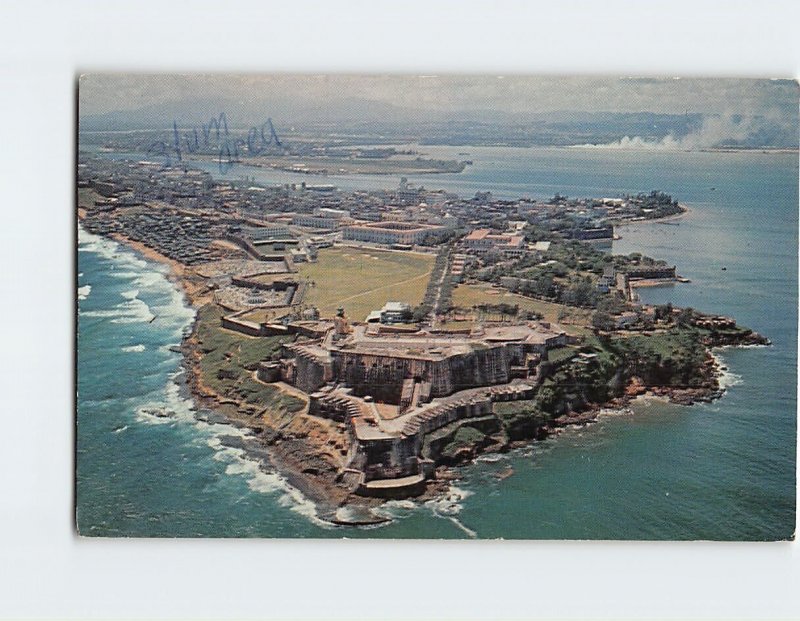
<point x="370" y="341"/>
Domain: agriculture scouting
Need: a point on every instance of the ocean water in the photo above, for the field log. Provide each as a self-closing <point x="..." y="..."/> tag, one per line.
<point x="724" y="470"/>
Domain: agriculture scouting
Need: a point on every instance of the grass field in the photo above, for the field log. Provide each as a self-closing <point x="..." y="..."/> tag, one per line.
<point x="362" y="280"/>
<point x="260" y="315"/>
<point x="574" y="320"/>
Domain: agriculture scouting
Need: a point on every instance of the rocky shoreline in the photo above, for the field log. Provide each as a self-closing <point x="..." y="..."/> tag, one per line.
<point x="291" y="453"/>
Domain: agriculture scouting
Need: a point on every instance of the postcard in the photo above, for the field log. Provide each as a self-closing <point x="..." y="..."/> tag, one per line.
<point x="435" y="307"/>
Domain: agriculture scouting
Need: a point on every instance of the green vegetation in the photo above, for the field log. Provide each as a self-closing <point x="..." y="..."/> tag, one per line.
<point x="520" y="420"/>
<point x="655" y="205"/>
<point x="465" y="437"/>
<point x="503" y="312"/>
<point x="599" y="370"/>
<point x="577" y="384"/>
<point x="560" y="354"/>
<point x="228" y="360"/>
<point x="446" y="442"/>
<point x="671" y="358"/>
<point x="440" y="266"/>
<point x="472" y="296"/>
<point x="362" y="280"/>
<point x="567" y="273"/>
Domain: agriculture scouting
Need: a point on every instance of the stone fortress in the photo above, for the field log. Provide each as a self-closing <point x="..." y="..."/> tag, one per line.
<point x="393" y="389"/>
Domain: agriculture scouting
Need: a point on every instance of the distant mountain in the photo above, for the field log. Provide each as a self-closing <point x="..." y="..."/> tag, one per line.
<point x="358" y="117"/>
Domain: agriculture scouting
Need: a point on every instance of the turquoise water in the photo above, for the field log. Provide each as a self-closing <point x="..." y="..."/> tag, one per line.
<point x="715" y="471"/>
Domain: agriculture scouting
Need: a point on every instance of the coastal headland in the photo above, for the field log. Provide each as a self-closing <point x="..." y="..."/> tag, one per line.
<point x="369" y="360"/>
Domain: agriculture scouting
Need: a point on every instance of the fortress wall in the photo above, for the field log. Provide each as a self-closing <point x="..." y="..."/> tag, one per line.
<point x="379" y="376"/>
<point x="239" y="325"/>
<point x="298" y="295"/>
<point x="482" y="367"/>
<point x="244" y="244"/>
<point x="382" y="376"/>
<point x="268" y="371"/>
<point x="655" y="271"/>
<point x="402" y="456"/>
<point x="310" y="372"/>
<point x="388" y="459"/>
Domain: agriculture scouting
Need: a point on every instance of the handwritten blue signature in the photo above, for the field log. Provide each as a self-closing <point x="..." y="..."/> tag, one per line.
<point x="228" y="148"/>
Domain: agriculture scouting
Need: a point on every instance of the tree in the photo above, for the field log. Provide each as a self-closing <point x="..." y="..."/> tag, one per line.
<point x="663" y="312"/>
<point x="420" y="313"/>
<point x="603" y="321"/>
<point x="685" y="317"/>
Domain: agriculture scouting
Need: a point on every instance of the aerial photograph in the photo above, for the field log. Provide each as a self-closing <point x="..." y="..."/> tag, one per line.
<point x="411" y="306"/>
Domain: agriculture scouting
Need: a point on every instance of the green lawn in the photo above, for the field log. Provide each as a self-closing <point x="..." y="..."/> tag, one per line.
<point x="560" y="354"/>
<point x="362" y="280"/>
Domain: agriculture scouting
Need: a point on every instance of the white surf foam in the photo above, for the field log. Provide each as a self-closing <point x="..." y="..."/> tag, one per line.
<point x="150" y="279"/>
<point x="238" y="462"/>
<point x="145" y="415"/>
<point x="611" y="412"/>
<point x="258" y="480"/>
<point x="181" y="410"/>
<point x="395" y="509"/>
<point x="83" y="292"/>
<point x="450" y="505"/>
<point x="144" y="276"/>
<point x="727" y="378"/>
<point x="89" y="242"/>
<point x="491" y="459"/>
<point x="176" y="312"/>
<point x="134" y="311"/>
<point x="134" y="348"/>
<point x="450" y="502"/>
<point x="471" y="533"/>
<point x="124" y="275"/>
<point x="123" y="257"/>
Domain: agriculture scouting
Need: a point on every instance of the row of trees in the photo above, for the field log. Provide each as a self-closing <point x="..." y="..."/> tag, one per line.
<point x="439" y="279"/>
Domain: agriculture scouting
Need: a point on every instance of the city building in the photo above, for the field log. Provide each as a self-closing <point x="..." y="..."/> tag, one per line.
<point x="481" y="241"/>
<point x="391" y="232"/>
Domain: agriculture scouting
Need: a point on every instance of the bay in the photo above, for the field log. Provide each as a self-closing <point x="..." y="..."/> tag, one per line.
<point x="724" y="470"/>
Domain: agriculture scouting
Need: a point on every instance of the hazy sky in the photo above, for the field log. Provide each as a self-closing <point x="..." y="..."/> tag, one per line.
<point x="100" y="93"/>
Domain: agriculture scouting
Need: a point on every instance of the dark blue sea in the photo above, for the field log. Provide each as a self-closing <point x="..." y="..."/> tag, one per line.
<point x="724" y="470"/>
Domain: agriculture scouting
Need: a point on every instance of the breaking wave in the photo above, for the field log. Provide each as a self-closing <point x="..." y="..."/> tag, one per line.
<point x="134" y="348"/>
<point x="449" y="505"/>
<point x="176" y="409"/>
<point x="727" y="378"/>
